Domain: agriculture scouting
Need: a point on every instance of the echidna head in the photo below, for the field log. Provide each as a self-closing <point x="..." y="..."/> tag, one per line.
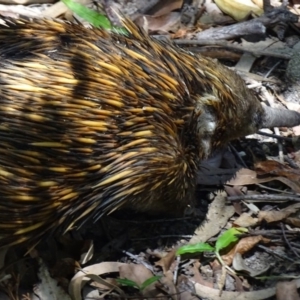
<point x="228" y="110"/>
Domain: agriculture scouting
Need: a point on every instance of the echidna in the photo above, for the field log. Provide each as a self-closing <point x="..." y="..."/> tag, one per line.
<point x="92" y="121"/>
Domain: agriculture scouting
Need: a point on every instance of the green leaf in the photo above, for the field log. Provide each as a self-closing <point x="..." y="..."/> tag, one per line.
<point x="128" y="282"/>
<point x="89" y="15"/>
<point x="228" y="237"/>
<point x="93" y="17"/>
<point x="200" y="247"/>
<point x="149" y="281"/>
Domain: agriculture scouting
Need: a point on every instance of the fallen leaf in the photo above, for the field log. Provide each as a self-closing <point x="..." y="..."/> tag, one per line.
<point x="198" y="277"/>
<point x="166" y="261"/>
<point x="244" y="177"/>
<point x="91" y="272"/>
<point x="287" y="291"/>
<point x="239" y="265"/>
<point x="278" y="171"/>
<point x="137" y="273"/>
<point x="276" y="216"/>
<point x="164" y="23"/>
<point x="210" y="293"/>
<point x="245" y="220"/>
<point x="217" y="217"/>
<point x="243" y="246"/>
<point x="239" y="9"/>
<point x="293" y="221"/>
<point x="276" y="168"/>
<point x="169" y="287"/>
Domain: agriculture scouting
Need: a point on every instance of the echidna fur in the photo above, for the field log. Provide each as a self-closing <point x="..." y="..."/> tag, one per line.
<point x="92" y="121"/>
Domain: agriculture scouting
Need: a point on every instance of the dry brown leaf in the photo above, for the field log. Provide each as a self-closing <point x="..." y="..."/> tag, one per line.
<point x="245" y="220"/>
<point x="166" y="261"/>
<point x="284" y="173"/>
<point x="180" y="34"/>
<point x="238" y="283"/>
<point x="243" y="177"/>
<point x="287" y="291"/>
<point x="137" y="273"/>
<point x="293" y="221"/>
<point x="272" y="216"/>
<point x="248" y="177"/>
<point x="243" y="246"/>
<point x="239" y="265"/>
<point x="164" y="23"/>
<point x="186" y="288"/>
<point x="169" y="287"/>
<point x="246" y="244"/>
<point x="198" y="277"/>
<point x="222" y="279"/>
<point x="235" y="191"/>
<point x="91" y="272"/>
<point x="292" y="208"/>
<point x="293" y="184"/>
<point x="276" y="216"/>
<point x="276" y="168"/>
<point x="217" y="217"/>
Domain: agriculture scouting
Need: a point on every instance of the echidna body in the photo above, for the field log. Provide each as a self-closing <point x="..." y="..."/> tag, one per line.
<point x="92" y="121"/>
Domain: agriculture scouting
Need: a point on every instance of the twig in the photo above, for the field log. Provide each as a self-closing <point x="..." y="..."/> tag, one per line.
<point x="287" y="241"/>
<point x="229" y="45"/>
<point x="269" y="198"/>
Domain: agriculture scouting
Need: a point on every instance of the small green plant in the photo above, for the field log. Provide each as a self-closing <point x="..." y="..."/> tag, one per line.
<point x="93" y="17"/>
<point x="227" y="238"/>
<point x="131" y="283"/>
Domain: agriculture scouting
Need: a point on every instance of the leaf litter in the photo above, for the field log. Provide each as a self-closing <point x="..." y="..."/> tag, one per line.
<point x="150" y="268"/>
